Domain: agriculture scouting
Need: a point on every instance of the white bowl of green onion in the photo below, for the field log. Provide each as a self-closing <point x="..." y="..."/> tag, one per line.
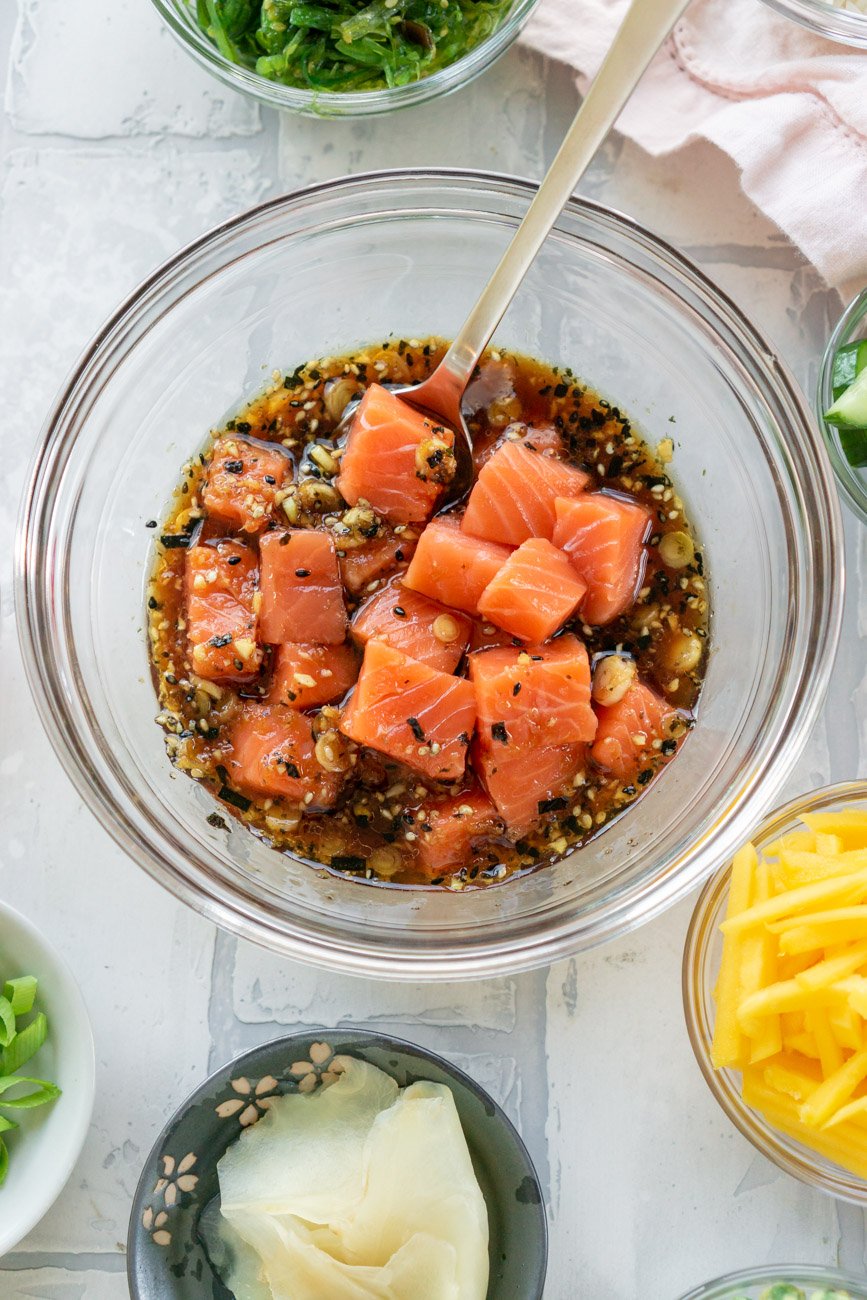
<point x="46" y="1076"/>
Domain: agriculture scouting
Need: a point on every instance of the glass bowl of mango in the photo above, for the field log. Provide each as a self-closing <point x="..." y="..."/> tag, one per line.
<point x="775" y="989"/>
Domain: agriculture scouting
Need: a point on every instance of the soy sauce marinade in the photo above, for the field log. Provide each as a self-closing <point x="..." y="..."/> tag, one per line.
<point x="373" y="830"/>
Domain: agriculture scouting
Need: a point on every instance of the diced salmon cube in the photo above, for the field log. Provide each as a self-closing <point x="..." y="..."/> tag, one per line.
<point x="604" y="538"/>
<point x="220" y="603"/>
<point x="411" y="713"/>
<point x="242" y="481"/>
<point x="538" y="696"/>
<point x="395" y="458"/>
<point x="302" y="599"/>
<point x="452" y="567"/>
<point x="513" y="497"/>
<point x="523" y="784"/>
<point x="273" y="754"/>
<point x="448" y="829"/>
<point x="420" y="628"/>
<point x="627" y="730"/>
<point x="534" y="593"/>
<point x="362" y="565"/>
<point x="306" y="676"/>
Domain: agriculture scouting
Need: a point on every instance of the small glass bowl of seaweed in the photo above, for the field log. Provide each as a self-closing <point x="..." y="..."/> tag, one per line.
<point x="782" y="1282"/>
<point x="846" y="442"/>
<point x="345" y="58"/>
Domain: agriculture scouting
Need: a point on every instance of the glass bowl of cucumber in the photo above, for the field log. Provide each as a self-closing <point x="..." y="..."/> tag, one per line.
<point x="782" y="1282"/>
<point x="841" y="404"/>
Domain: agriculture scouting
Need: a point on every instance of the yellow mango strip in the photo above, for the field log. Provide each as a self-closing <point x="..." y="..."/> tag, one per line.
<point x="785" y="1077"/>
<point x="804" y="1044"/>
<point x="830" y="844"/>
<point x="785" y="995"/>
<point x="855" y="989"/>
<point x="845" y="1144"/>
<point x="728" y="1047"/>
<point x="846" y="1026"/>
<point x="805" y="840"/>
<point x="801" y="868"/>
<point x="830" y="1051"/>
<point x="850" y="825"/>
<point x="845" y="890"/>
<point x="828" y="972"/>
<point x="790" y="966"/>
<point x="835" y="1091"/>
<point x="856" y="1110"/>
<point x="821" y="930"/>
<point x="759" y="970"/>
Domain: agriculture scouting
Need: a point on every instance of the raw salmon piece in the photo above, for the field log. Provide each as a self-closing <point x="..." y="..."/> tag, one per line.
<point x="513" y="498"/>
<point x="365" y="564"/>
<point x="452" y="567"/>
<point x="242" y="482"/>
<point x="534" y="593"/>
<point x="412" y="713"/>
<point x="302" y="599"/>
<point x="421" y="628"/>
<point x="523" y="783"/>
<point x="538" y="696"/>
<point x="273" y="754"/>
<point x="395" y="459"/>
<point x="305" y="676"/>
<point x="221" y="623"/>
<point x="628" y="729"/>
<point x="447" y="830"/>
<point x="603" y="536"/>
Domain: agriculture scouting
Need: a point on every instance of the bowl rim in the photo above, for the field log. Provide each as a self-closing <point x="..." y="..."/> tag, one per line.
<point x="347" y="104"/>
<point x="811" y="1274"/>
<point x="794" y="1157"/>
<point x="846" y="26"/>
<point x="853" y="487"/>
<point x="333" y="1037"/>
<point x="253" y="919"/>
<point x="55" y="1182"/>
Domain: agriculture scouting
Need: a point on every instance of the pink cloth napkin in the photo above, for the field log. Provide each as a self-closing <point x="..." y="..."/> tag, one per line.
<point x="789" y="107"/>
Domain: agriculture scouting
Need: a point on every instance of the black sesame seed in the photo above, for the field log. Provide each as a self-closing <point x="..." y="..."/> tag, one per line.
<point x="233" y="560"/>
<point x="302" y="573"/>
<point x="416" y="728"/>
<point x="499" y="732"/>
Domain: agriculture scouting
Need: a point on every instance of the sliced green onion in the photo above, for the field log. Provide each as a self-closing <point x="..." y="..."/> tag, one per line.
<point x="25" y="1044"/>
<point x="21" y="993"/>
<point x="7" y="1022"/>
<point x="43" y="1091"/>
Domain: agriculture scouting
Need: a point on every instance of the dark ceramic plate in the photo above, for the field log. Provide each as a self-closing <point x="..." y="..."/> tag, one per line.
<point x="166" y="1259"/>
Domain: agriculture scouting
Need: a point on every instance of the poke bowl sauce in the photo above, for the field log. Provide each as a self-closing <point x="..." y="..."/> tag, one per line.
<point x="415" y="692"/>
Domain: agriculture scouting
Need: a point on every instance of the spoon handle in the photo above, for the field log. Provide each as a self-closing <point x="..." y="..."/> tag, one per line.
<point x="645" y="27"/>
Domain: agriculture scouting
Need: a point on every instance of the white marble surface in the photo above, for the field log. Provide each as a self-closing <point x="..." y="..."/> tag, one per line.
<point x="113" y="151"/>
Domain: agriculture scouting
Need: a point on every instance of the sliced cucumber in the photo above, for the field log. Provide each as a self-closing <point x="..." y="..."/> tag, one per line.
<point x="853" y="444"/>
<point x="850" y="409"/>
<point x="849" y="361"/>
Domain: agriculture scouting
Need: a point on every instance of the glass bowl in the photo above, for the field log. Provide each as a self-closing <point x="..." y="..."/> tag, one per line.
<point x="750" y="1282"/>
<point x="844" y="25"/>
<point x="700" y="965"/>
<point x="852" y="482"/>
<point x="323" y="270"/>
<point x="180" y="17"/>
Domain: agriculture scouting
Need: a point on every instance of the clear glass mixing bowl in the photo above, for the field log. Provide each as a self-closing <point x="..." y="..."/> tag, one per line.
<point x="180" y="18"/>
<point x="318" y="272"/>
<point x="749" y="1284"/>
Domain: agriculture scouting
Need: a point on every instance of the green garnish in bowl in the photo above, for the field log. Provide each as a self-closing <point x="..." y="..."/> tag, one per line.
<point x="848" y="413"/>
<point x="343" y="45"/>
<point x="23" y="1030"/>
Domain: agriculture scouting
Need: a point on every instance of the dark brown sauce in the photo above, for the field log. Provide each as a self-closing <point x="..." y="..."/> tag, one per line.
<point x="378" y="804"/>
